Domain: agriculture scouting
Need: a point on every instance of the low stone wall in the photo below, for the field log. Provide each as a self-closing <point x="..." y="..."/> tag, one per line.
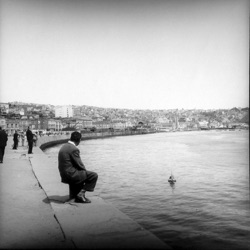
<point x="49" y="141"/>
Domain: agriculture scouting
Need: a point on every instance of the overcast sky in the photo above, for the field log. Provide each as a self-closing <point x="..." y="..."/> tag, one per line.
<point x="125" y="54"/>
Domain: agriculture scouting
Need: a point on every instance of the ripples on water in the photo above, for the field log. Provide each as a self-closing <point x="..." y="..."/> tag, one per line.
<point x="207" y="208"/>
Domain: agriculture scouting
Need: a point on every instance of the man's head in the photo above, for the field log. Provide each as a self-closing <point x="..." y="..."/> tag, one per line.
<point x="76" y="137"/>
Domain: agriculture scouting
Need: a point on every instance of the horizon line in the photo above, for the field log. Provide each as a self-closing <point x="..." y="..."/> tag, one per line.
<point x="124" y="108"/>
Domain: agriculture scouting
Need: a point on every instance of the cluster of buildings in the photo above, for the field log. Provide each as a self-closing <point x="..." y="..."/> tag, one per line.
<point x="49" y="119"/>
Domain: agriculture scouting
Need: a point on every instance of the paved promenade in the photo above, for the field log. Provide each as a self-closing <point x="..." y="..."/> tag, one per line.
<point x="35" y="212"/>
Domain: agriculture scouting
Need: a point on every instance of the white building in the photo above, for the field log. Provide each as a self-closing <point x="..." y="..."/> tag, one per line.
<point x="64" y="111"/>
<point x="203" y="124"/>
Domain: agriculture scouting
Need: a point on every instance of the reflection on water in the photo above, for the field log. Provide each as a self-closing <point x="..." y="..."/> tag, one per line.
<point x="208" y="206"/>
<point x="172" y="185"/>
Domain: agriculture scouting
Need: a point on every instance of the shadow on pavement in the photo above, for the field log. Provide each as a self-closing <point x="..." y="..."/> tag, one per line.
<point x="56" y="199"/>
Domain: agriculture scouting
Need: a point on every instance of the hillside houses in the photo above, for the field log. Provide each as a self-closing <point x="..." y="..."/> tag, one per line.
<point x="18" y="116"/>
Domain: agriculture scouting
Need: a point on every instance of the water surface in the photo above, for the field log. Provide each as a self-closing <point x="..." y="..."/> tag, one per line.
<point x="208" y="206"/>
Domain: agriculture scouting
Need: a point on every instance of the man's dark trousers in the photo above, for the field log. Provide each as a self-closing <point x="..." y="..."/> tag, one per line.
<point x="87" y="185"/>
<point x="15" y="144"/>
<point x="2" y="149"/>
<point x="30" y="143"/>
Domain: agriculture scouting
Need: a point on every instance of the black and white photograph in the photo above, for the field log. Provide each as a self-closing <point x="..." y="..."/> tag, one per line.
<point x="124" y="124"/>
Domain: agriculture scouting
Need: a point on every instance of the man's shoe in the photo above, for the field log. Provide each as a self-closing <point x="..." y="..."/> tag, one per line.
<point x="82" y="199"/>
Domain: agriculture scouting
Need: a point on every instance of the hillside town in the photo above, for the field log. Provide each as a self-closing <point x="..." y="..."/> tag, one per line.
<point x="50" y="119"/>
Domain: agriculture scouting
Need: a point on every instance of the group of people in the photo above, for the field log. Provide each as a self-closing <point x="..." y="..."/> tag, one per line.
<point x="31" y="139"/>
<point x="70" y="166"/>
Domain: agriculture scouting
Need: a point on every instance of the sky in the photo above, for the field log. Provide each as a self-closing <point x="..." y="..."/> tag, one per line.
<point x="131" y="54"/>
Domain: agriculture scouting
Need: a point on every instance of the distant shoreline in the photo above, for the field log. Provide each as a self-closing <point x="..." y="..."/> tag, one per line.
<point x="50" y="141"/>
<point x="204" y="129"/>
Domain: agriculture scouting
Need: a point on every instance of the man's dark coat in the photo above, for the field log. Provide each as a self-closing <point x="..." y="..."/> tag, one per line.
<point x="29" y="135"/>
<point x="71" y="167"/>
<point x="3" y="138"/>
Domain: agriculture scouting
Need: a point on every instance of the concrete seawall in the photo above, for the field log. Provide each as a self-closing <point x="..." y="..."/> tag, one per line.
<point x="48" y="141"/>
<point x="97" y="225"/>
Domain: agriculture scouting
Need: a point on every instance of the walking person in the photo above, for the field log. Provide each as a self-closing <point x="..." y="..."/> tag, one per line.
<point x="73" y="171"/>
<point x="15" y="139"/>
<point x="29" y="136"/>
<point x="3" y="142"/>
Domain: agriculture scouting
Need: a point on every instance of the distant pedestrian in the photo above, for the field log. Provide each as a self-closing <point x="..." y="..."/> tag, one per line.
<point x="22" y="138"/>
<point x="35" y="138"/>
<point x="3" y="142"/>
<point x="15" y="139"/>
<point x="29" y="136"/>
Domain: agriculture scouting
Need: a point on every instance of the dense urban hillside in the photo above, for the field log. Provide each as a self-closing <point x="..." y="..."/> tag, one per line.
<point x="43" y="116"/>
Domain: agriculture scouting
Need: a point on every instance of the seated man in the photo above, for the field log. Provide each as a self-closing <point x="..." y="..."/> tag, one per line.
<point x="73" y="171"/>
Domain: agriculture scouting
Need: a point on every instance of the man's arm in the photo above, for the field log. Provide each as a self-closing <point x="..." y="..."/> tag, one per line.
<point x="75" y="155"/>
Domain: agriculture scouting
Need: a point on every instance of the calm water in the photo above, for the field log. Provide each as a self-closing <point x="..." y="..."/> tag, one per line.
<point x="208" y="206"/>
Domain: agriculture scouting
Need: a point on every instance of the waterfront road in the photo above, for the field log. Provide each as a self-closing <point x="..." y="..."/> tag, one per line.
<point x="34" y="212"/>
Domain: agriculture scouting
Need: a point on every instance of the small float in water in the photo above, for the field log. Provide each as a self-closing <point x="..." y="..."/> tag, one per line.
<point x="171" y="179"/>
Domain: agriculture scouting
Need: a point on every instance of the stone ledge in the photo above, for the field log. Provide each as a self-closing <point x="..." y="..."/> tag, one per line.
<point x="97" y="225"/>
